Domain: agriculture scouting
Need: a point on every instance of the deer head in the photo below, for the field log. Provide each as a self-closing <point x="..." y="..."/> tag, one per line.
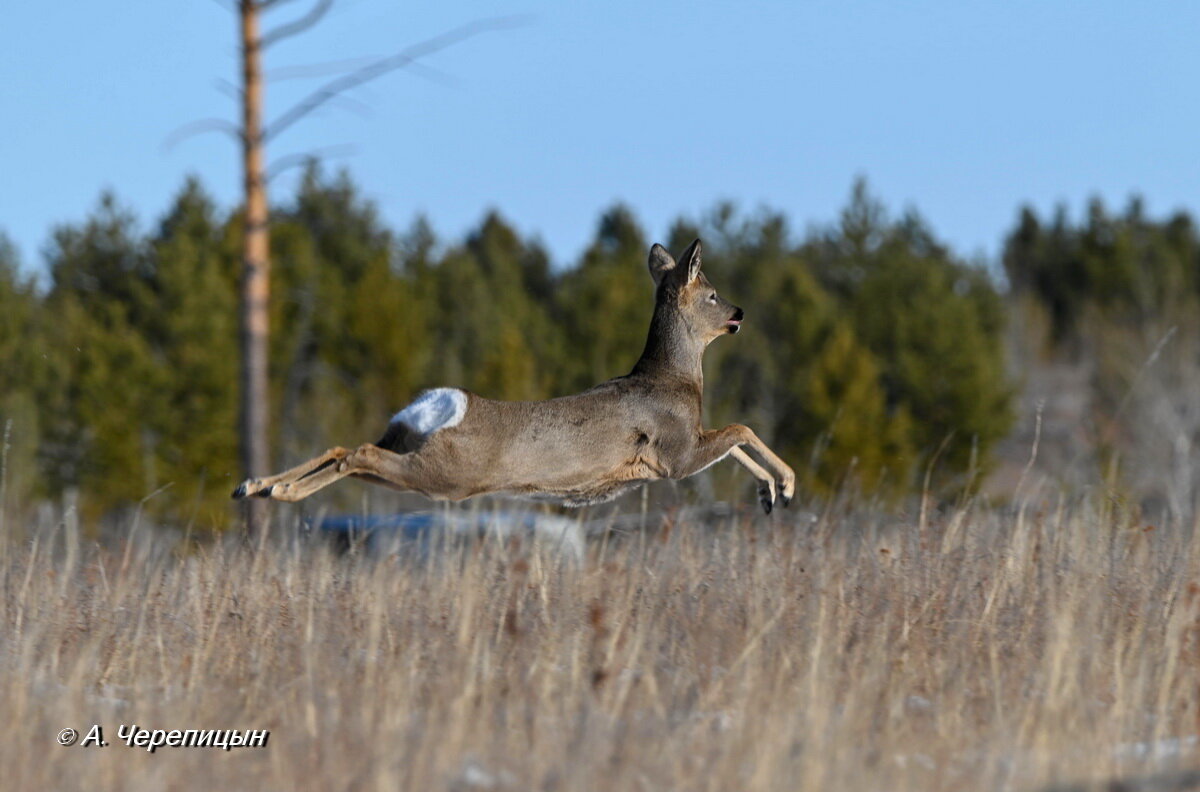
<point x="684" y="293"/>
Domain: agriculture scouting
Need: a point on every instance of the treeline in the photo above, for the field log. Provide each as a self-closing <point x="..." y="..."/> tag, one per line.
<point x="1123" y="268"/>
<point x="871" y="354"/>
<point x="1115" y="298"/>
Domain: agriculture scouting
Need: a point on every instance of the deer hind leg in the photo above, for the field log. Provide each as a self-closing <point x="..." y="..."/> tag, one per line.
<point x="368" y="462"/>
<point x="262" y="486"/>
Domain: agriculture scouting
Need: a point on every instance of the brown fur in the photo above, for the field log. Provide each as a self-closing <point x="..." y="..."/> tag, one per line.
<point x="580" y="449"/>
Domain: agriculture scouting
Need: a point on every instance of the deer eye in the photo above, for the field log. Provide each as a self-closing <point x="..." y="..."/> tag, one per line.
<point x="712" y="298"/>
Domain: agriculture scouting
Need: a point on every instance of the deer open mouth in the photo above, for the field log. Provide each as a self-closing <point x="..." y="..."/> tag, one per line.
<point x="733" y="325"/>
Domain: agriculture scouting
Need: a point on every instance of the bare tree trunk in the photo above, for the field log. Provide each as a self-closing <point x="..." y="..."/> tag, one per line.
<point x="255" y="291"/>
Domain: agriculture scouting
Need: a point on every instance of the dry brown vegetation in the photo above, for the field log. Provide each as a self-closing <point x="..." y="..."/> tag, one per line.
<point x="975" y="648"/>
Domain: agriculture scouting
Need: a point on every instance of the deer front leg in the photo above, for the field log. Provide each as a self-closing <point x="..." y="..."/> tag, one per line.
<point x="717" y="444"/>
<point x="785" y="477"/>
<point x="766" y="482"/>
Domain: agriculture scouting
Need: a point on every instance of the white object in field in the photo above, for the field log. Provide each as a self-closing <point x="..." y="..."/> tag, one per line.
<point x="420" y="532"/>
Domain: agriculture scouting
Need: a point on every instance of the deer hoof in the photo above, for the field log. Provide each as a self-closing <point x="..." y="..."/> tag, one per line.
<point x="247" y="487"/>
<point x="265" y="492"/>
<point x="767" y="499"/>
<point x="787" y="488"/>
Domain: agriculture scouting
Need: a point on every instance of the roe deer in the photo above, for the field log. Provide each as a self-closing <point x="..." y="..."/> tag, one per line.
<point x="581" y="449"/>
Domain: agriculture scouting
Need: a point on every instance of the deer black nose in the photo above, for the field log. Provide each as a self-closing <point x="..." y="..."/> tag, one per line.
<point x="738" y="314"/>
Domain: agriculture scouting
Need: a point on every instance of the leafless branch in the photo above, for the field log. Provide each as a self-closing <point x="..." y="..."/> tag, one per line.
<point x="432" y="74"/>
<point x="402" y="59"/>
<point x="334" y="67"/>
<point x="356" y="106"/>
<point x="301" y="71"/>
<point x="228" y="88"/>
<point x="293" y="160"/>
<point x="266" y="5"/>
<point x="200" y="127"/>
<point x="300" y="25"/>
<point x="1162" y="342"/>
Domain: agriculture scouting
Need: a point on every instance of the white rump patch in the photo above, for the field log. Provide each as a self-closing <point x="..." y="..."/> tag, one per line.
<point x="433" y="410"/>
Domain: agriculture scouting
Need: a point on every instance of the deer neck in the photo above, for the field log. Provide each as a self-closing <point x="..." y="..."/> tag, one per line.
<point x="672" y="349"/>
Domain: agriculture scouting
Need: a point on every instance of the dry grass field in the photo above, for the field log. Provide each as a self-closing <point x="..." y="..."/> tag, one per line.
<point x="1055" y="647"/>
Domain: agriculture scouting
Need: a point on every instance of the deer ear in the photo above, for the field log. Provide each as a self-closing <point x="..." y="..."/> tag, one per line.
<point x="690" y="260"/>
<point x="660" y="263"/>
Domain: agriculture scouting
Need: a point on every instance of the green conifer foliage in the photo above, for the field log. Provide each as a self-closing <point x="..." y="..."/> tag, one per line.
<point x="860" y="441"/>
<point x="933" y="323"/>
<point x="606" y="301"/>
<point x="22" y="376"/>
<point x="98" y="433"/>
<point x="349" y="327"/>
<point x="1127" y="267"/>
<point x="192" y="335"/>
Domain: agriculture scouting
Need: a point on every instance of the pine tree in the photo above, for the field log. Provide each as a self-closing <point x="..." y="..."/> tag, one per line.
<point x="605" y="302"/>
<point x="933" y="323"/>
<point x="191" y="331"/>
<point x="351" y="341"/>
<point x="96" y="404"/>
<point x="22" y="374"/>
<point x="861" y="441"/>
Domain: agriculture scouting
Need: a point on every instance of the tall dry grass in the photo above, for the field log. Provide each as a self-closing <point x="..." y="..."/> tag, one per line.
<point x="975" y="649"/>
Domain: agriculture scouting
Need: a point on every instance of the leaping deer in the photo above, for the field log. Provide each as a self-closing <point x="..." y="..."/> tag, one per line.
<point x="588" y="448"/>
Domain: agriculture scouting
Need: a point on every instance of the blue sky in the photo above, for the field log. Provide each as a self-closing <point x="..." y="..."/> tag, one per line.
<point x="961" y="109"/>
